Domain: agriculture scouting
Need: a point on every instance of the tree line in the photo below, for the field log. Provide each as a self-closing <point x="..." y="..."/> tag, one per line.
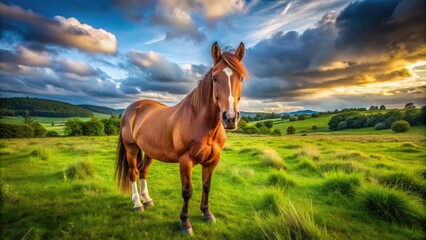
<point x="40" y="108"/>
<point x="379" y="121"/>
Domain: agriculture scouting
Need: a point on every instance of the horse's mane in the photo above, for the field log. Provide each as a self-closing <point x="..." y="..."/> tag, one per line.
<point x="204" y="90"/>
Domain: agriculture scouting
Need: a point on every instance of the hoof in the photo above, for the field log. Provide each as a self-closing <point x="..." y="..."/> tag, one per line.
<point x="209" y="219"/>
<point x="149" y="204"/>
<point x="138" y="209"/>
<point x="187" y="231"/>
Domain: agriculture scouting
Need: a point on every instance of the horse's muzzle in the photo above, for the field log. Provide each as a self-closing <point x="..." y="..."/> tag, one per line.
<point x="230" y="122"/>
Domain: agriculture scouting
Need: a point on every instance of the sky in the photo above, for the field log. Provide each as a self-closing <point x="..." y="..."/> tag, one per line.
<point x="300" y="54"/>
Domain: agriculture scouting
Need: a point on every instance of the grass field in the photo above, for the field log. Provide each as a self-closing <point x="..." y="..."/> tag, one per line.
<point x="320" y="186"/>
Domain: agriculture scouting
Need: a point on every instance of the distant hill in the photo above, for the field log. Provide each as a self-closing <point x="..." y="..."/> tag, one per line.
<point x="306" y="112"/>
<point x="119" y="111"/>
<point x="99" y="109"/>
<point x="41" y="108"/>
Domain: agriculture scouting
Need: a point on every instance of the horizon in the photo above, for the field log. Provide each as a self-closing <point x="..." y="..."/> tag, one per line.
<point x="300" y="55"/>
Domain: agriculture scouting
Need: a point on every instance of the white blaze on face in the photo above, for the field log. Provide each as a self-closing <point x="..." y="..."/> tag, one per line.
<point x="230" y="112"/>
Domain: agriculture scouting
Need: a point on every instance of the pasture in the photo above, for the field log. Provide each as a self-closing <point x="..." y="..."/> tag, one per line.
<point x="320" y="186"/>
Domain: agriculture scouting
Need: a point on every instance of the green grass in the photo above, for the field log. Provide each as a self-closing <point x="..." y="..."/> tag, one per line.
<point x="250" y="199"/>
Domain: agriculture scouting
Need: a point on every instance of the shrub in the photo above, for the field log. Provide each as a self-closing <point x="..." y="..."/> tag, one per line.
<point x="301" y="117"/>
<point x="79" y="170"/>
<point x="93" y="127"/>
<point x="16" y="130"/>
<point x="400" y="126"/>
<point x="288" y="223"/>
<point x="314" y="127"/>
<point x="336" y="119"/>
<point x="111" y="125"/>
<point x="250" y="130"/>
<point x="277" y="132"/>
<point x="314" y="115"/>
<point x="52" y="134"/>
<point x="268" y="124"/>
<point x="380" y="126"/>
<point x="270" y="157"/>
<point x="391" y="205"/>
<point x="343" y="183"/>
<point x="280" y="180"/>
<point x="342" y="125"/>
<point x="39" y="130"/>
<point x="74" y="127"/>
<point x="291" y="130"/>
<point x="260" y="124"/>
<point x="292" y="119"/>
<point x="285" y="116"/>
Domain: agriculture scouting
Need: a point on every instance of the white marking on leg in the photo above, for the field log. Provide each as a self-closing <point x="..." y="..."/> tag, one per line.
<point x="135" y="195"/>
<point x="144" y="191"/>
<point x="230" y="112"/>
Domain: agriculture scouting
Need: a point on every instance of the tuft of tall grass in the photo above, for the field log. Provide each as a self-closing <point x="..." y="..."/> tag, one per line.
<point x="227" y="147"/>
<point x="308" y="164"/>
<point x="289" y="223"/>
<point x="409" y="145"/>
<point x="348" y="167"/>
<point x="310" y="152"/>
<point x="341" y="182"/>
<point x="391" y="205"/>
<point x="403" y="181"/>
<point x="240" y="174"/>
<point x="280" y="179"/>
<point x="352" y="155"/>
<point x="271" y="201"/>
<point x="3" y="145"/>
<point x="79" y="170"/>
<point x="270" y="157"/>
<point x="41" y="153"/>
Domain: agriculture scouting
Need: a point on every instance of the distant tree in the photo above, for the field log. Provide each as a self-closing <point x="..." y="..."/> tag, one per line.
<point x="421" y="118"/>
<point x="268" y="124"/>
<point x="52" y="134"/>
<point x="336" y="119"/>
<point x="374" y="108"/>
<point x="27" y="117"/>
<point x="382" y="107"/>
<point x="93" y="127"/>
<point x="400" y="126"/>
<point x="277" y="132"/>
<point x="411" y="115"/>
<point x="314" y="127"/>
<point x="392" y="116"/>
<point x="291" y="130"/>
<point x="285" y="116"/>
<point x="242" y="123"/>
<point x="74" y="127"/>
<point x="259" y="124"/>
<point x="315" y="115"/>
<point x="292" y="119"/>
<point x="409" y="106"/>
<point x="301" y="117"/>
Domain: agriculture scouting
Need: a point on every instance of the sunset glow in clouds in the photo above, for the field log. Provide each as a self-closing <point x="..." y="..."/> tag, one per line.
<point x="301" y="54"/>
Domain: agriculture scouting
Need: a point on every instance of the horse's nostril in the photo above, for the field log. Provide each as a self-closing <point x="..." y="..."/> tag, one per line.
<point x="224" y="116"/>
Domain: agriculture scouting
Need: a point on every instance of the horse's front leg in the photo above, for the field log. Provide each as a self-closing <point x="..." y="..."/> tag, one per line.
<point x="185" y="166"/>
<point x="207" y="172"/>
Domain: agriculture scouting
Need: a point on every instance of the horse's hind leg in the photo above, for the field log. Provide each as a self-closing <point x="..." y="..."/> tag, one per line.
<point x="132" y="154"/>
<point x="143" y="173"/>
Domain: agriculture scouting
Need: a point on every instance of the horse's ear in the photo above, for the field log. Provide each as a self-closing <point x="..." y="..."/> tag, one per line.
<point x="216" y="52"/>
<point x="239" y="53"/>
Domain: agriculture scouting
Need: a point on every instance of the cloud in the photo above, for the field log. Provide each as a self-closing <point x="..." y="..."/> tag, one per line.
<point x="150" y="71"/>
<point x="25" y="56"/>
<point x="177" y="16"/>
<point x="74" y="67"/>
<point x="367" y="44"/>
<point x="66" y="32"/>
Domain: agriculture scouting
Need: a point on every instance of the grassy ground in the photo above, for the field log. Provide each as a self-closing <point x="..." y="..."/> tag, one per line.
<point x="319" y="186"/>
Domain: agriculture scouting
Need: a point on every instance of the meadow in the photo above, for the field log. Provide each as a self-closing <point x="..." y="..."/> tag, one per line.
<point x="320" y="186"/>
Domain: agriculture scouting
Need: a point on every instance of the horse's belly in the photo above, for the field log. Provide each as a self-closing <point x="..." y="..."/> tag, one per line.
<point x="159" y="152"/>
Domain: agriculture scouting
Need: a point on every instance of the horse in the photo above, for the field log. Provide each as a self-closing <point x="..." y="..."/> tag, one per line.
<point x="189" y="133"/>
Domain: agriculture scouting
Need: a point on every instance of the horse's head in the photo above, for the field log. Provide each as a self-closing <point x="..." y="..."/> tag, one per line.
<point x="227" y="76"/>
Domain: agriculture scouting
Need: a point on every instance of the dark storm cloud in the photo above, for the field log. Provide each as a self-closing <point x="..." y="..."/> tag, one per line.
<point x="59" y="31"/>
<point x="359" y="45"/>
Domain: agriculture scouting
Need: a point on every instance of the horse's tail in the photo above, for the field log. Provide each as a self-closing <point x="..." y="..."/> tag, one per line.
<point x="122" y="168"/>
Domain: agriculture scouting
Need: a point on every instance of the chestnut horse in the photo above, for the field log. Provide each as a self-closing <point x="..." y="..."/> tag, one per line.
<point x="189" y="133"/>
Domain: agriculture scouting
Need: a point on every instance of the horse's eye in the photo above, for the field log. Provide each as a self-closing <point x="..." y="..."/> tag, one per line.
<point x="214" y="79"/>
<point x="242" y="79"/>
